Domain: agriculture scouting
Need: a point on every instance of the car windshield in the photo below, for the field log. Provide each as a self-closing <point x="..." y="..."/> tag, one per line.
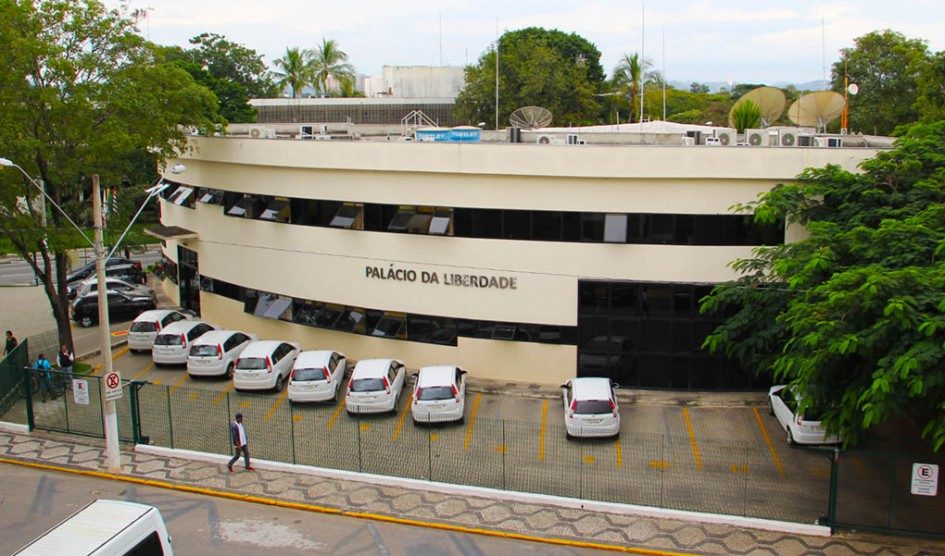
<point x="592" y="407"/>
<point x="367" y="385"/>
<point x="203" y="350"/>
<point x="251" y="363"/>
<point x="435" y="393"/>
<point x="144" y="326"/>
<point x="167" y="340"/>
<point x="308" y="374"/>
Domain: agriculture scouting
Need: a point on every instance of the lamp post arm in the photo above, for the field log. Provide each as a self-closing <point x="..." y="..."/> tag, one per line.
<point x="50" y="199"/>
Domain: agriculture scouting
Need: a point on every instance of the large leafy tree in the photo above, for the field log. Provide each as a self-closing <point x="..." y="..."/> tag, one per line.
<point x="553" y="69"/>
<point x="853" y="315"/>
<point x="295" y="70"/>
<point x="886" y="66"/>
<point x="233" y="72"/>
<point x="81" y="93"/>
<point x="931" y="95"/>
<point x="329" y="61"/>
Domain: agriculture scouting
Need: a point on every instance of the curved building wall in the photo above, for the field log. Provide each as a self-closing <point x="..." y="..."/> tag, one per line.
<point x="367" y="269"/>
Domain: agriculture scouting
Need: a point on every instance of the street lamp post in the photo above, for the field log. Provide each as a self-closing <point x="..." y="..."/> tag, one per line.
<point x="110" y="417"/>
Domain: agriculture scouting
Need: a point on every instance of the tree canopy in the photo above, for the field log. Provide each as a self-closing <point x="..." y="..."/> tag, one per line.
<point x="886" y="66"/>
<point x="82" y="93"/>
<point x="853" y="315"/>
<point x="553" y="69"/>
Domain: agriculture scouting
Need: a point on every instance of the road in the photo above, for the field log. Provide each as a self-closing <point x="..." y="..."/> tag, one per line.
<point x="203" y="525"/>
<point x="15" y="271"/>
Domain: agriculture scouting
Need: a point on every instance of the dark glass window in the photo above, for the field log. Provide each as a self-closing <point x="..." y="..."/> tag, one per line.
<point x="503" y="331"/>
<point x="442" y="220"/>
<point x="303" y="211"/>
<point x="277" y="210"/>
<point x="487" y="223"/>
<point x="463" y="222"/>
<point x="433" y="330"/>
<point x="390" y="325"/>
<point x="592" y="227"/>
<point x="684" y="229"/>
<point x="625" y="298"/>
<point x="348" y="216"/>
<point x="516" y="224"/>
<point x="415" y="220"/>
<point x="571" y="226"/>
<point x="707" y="230"/>
<point x="209" y="196"/>
<point x="592" y="297"/>
<point x="546" y="225"/>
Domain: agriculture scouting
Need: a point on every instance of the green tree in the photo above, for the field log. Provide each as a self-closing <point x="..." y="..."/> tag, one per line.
<point x="297" y="70"/>
<point x="853" y="315"/>
<point x="81" y="93"/>
<point x="536" y="67"/>
<point x="746" y="115"/>
<point x="931" y="94"/>
<point x="886" y="66"/>
<point x="632" y="73"/>
<point x="329" y="60"/>
<point x="698" y="88"/>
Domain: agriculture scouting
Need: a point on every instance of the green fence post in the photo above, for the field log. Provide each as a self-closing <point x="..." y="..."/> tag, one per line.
<point x="27" y="383"/>
<point x="135" y="418"/>
<point x="834" y="488"/>
<point x="65" y="405"/>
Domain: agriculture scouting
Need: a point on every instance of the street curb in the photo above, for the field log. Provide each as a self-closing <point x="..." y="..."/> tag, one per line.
<point x="15" y="428"/>
<point x="509" y="496"/>
<point x="92" y="354"/>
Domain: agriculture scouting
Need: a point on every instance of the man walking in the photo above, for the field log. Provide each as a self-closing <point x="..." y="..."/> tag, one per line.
<point x="238" y="436"/>
<point x="11" y="343"/>
<point x="66" y="360"/>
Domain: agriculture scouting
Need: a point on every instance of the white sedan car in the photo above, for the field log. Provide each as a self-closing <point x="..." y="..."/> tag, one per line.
<point x="800" y="428"/>
<point x="440" y="394"/>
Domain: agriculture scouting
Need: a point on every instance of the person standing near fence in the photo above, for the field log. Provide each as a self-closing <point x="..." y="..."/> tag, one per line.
<point x="66" y="360"/>
<point x="238" y="437"/>
<point x="11" y="343"/>
<point x="42" y="367"/>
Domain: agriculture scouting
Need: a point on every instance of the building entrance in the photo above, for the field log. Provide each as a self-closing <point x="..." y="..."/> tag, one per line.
<point x="189" y="279"/>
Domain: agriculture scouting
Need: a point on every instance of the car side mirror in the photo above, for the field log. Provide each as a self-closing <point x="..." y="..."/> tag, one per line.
<point x="566" y="386"/>
<point x="614" y="384"/>
<point x="415" y="375"/>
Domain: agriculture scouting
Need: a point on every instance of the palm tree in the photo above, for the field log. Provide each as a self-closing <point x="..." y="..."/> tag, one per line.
<point x="297" y="70"/>
<point x="631" y="74"/>
<point x="330" y="61"/>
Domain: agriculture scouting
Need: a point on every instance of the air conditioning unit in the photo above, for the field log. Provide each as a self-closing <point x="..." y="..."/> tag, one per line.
<point x="544" y="139"/>
<point x="688" y="141"/>
<point x="805" y="141"/>
<point x="788" y="139"/>
<point x="829" y="141"/>
<point x="310" y="131"/>
<point x="726" y="137"/>
<point x="262" y="133"/>
<point x="756" y="137"/>
<point x="696" y="137"/>
<point x="573" y="139"/>
<point x="322" y="137"/>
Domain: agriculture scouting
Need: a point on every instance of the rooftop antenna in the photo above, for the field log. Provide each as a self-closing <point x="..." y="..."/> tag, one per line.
<point x="440" y="38"/>
<point x="664" y="74"/>
<point x="817" y="109"/>
<point x="770" y="100"/>
<point x="530" y="117"/>
<point x="497" y="74"/>
<point x="642" y="53"/>
<point x="823" y="42"/>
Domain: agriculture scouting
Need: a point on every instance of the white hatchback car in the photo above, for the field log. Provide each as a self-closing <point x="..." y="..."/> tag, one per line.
<point x="172" y="344"/>
<point x="147" y="325"/>
<point x="375" y="386"/>
<point x="317" y="376"/>
<point x="800" y="428"/>
<point x="215" y="353"/>
<point x="439" y="395"/>
<point x="590" y="407"/>
<point x="264" y="365"/>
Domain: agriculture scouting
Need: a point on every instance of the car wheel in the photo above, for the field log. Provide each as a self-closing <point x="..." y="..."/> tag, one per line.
<point x="790" y="438"/>
<point x="770" y="407"/>
<point x="229" y="371"/>
<point x="337" y="396"/>
<point x="568" y="435"/>
<point x="85" y="322"/>
<point x="279" y="382"/>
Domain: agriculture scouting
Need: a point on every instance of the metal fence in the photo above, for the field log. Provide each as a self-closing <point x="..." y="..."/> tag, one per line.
<point x="10" y="378"/>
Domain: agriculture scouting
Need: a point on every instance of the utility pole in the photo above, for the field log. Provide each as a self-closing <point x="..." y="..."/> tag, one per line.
<point x="110" y="417"/>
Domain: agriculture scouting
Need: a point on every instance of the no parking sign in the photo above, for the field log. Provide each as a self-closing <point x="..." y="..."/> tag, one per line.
<point x="112" y="383"/>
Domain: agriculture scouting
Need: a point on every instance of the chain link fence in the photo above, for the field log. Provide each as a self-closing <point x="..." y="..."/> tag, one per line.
<point x="11" y="376"/>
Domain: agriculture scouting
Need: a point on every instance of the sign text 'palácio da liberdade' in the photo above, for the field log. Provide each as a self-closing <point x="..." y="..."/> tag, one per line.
<point x="483" y="281"/>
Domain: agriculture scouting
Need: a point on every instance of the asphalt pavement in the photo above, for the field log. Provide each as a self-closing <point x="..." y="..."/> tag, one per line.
<point x="14" y="271"/>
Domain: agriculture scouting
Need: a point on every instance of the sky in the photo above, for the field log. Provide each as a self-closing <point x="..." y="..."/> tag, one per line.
<point x="730" y="41"/>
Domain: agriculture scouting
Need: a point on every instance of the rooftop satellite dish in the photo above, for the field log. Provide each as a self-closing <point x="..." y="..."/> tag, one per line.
<point x="770" y="100"/>
<point x="530" y="117"/>
<point x="817" y="109"/>
<point x="853" y="89"/>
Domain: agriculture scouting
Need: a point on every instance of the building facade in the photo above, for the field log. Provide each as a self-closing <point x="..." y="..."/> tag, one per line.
<point x="519" y="262"/>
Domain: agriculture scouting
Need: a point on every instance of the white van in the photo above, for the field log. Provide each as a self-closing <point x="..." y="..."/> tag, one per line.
<point x="105" y="528"/>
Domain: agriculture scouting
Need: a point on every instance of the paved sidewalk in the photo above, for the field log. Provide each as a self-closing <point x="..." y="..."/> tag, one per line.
<point x="533" y="519"/>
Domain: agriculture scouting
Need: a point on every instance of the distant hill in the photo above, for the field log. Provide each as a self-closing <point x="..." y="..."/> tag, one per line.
<point x="716" y="86"/>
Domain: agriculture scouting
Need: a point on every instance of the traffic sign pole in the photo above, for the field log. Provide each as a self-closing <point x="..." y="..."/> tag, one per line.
<point x="112" y="455"/>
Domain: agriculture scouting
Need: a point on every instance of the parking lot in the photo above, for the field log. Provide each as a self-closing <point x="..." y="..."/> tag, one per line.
<point x="730" y="459"/>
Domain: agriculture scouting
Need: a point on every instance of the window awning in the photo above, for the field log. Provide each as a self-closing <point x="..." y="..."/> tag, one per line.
<point x="170" y="232"/>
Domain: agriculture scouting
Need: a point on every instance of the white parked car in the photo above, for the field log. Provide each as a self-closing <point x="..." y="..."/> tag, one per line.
<point x="172" y="344"/>
<point x="147" y="325"/>
<point x="317" y="376"/>
<point x="264" y="365"/>
<point x="800" y="428"/>
<point x="215" y="353"/>
<point x="439" y="395"/>
<point x="375" y="386"/>
<point x="590" y="407"/>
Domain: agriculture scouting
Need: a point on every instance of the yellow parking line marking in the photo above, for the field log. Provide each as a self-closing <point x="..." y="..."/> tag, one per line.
<point x="97" y="369"/>
<point x="381" y="518"/>
<point x="619" y="452"/>
<point x="771" y="450"/>
<point x="735" y="468"/>
<point x="247" y="403"/>
<point x="692" y="439"/>
<point x="194" y="395"/>
<point x="297" y="418"/>
<point x="364" y="427"/>
<point x="501" y="448"/>
<point x="403" y="415"/>
<point x="541" y="432"/>
<point x="156" y="382"/>
<point x="180" y="382"/>
<point x="434" y="437"/>
<point x="145" y="370"/>
<point x="472" y="421"/>
<point x="219" y="397"/>
<point x="589" y="459"/>
<point x="659" y="464"/>
<point x="116" y="355"/>
<point x="334" y="416"/>
<point x="276" y="404"/>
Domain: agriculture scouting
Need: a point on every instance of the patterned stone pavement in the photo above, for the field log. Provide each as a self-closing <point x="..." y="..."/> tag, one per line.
<point x="541" y="520"/>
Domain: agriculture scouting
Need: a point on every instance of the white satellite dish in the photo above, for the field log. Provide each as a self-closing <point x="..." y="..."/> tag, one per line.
<point x="853" y="89"/>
